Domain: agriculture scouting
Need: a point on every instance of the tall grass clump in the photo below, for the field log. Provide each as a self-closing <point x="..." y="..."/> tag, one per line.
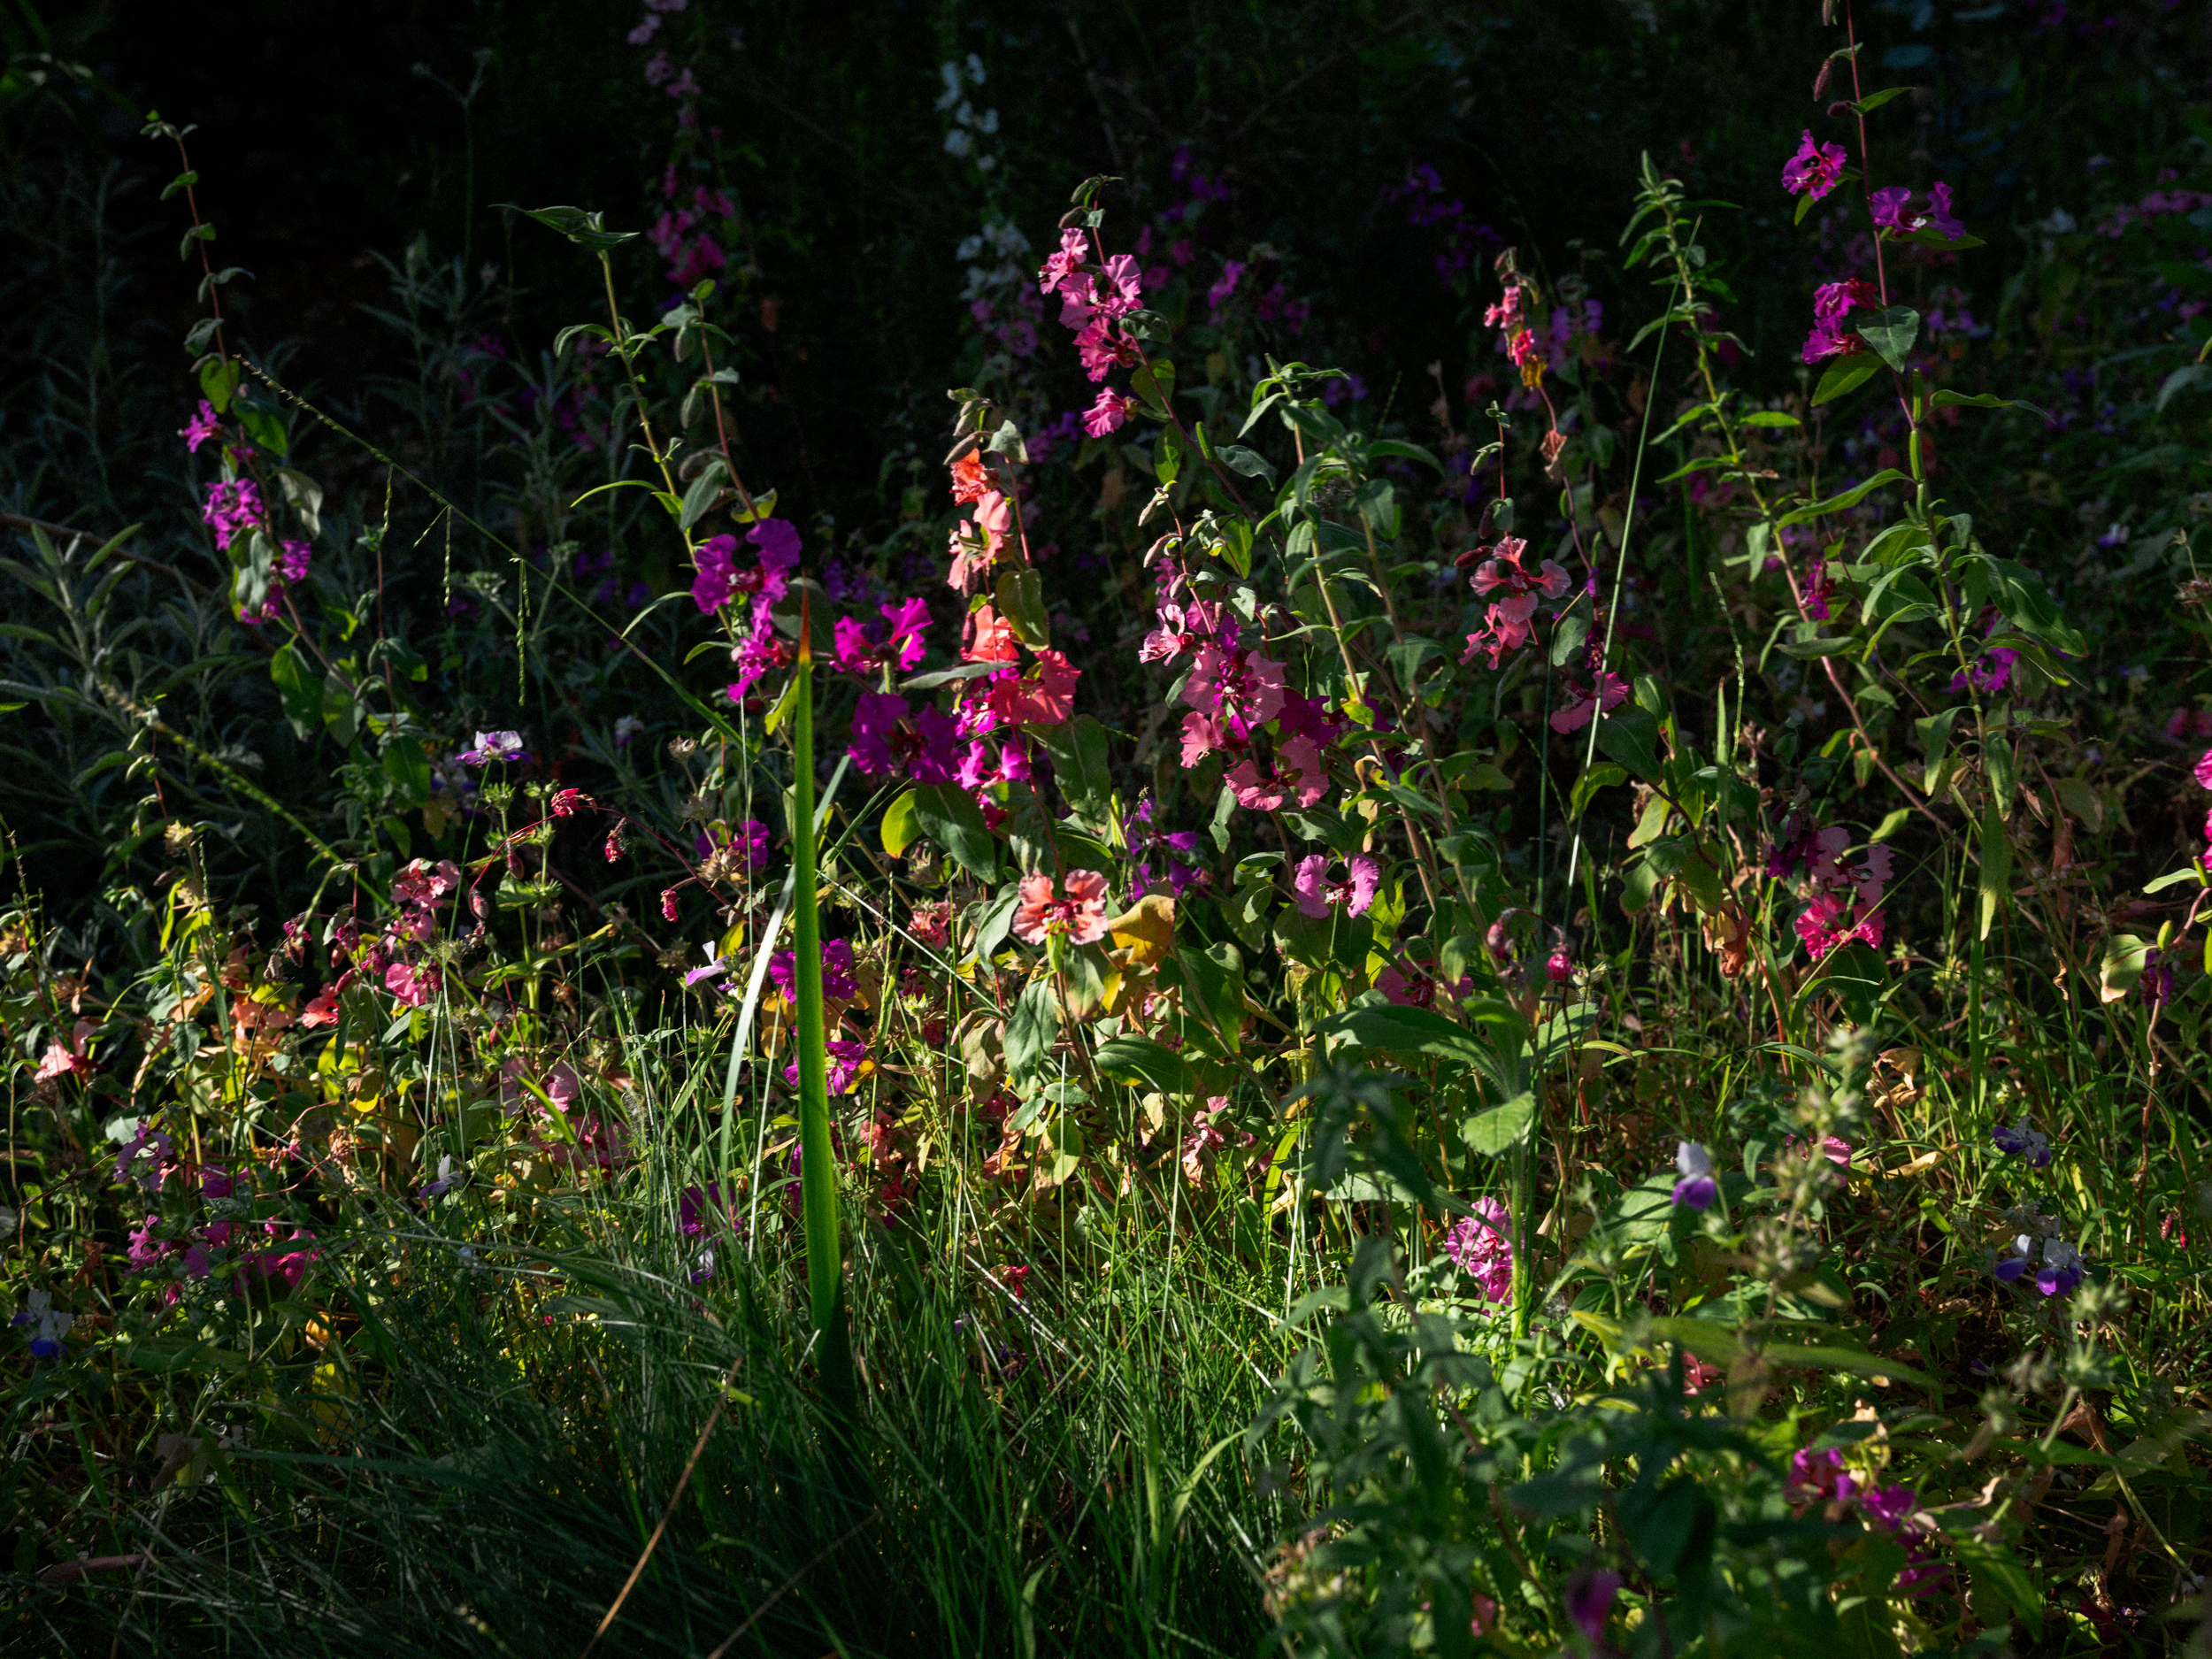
<point x="1565" y="1022"/>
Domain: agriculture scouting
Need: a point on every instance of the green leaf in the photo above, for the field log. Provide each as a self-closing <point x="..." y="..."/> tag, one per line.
<point x="1410" y="1031"/>
<point x="1816" y="648"/>
<point x="1935" y="738"/>
<point x="1141" y="1062"/>
<point x="1021" y="601"/>
<point x="1947" y="398"/>
<point x="1602" y="776"/>
<point x="950" y="818"/>
<point x="1874" y="101"/>
<point x="586" y="229"/>
<point x="1847" y="376"/>
<point x="1249" y="462"/>
<point x="1850" y="497"/>
<point x="901" y="827"/>
<point x="1631" y="737"/>
<point x="409" y="768"/>
<point x="1081" y="759"/>
<point x="1995" y="1569"/>
<point x="299" y="687"/>
<point x="1771" y="418"/>
<point x="1890" y="334"/>
<point x="1995" y="883"/>
<point x="1501" y="1127"/>
<point x="1031" y="1030"/>
<point x="2028" y="608"/>
<point x="705" y="489"/>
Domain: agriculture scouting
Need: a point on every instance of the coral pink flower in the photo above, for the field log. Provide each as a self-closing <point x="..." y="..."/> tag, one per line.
<point x="1081" y="915"/>
<point x="1318" y="895"/>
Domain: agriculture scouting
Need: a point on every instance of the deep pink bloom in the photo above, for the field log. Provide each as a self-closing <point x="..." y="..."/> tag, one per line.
<point x="1560" y="968"/>
<point x="2203" y="773"/>
<point x="233" y="506"/>
<point x="1582" y="706"/>
<point x="865" y="648"/>
<point x="414" y="985"/>
<point x="1109" y="414"/>
<point x="889" y="738"/>
<point x="839" y="978"/>
<point x="1482" y="1244"/>
<point x="1829" y="921"/>
<point x="761" y="650"/>
<point x="1081" y="915"/>
<point x="1815" y="167"/>
<point x="202" y="425"/>
<point x="1063" y="266"/>
<point x="711" y="558"/>
<point x="1318" y="895"/>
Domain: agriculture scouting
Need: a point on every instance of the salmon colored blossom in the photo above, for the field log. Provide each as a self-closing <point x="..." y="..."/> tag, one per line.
<point x="1080" y="915"/>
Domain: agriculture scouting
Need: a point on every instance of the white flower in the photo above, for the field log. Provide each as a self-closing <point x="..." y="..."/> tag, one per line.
<point x="959" y="143"/>
<point x="1692" y="1160"/>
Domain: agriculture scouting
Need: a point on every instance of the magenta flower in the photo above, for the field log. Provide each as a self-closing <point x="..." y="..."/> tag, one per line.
<point x="1109" y="414"/>
<point x="1816" y="1476"/>
<point x="1100" y="350"/>
<point x="413" y="985"/>
<point x="202" y="425"/>
<point x="865" y="648"/>
<point x="1590" y="1601"/>
<point x="1317" y="895"/>
<point x="1814" y="168"/>
<point x="1829" y="920"/>
<point x="233" y="506"/>
<point x="698" y="1205"/>
<point x="759" y="652"/>
<point x="1232" y="274"/>
<point x="1241" y="688"/>
<point x="1482" y="1244"/>
<point x="778" y="542"/>
<point x="1697" y="1189"/>
<point x="891" y="739"/>
<point x="839" y="980"/>
<point x="844" y="1064"/>
<point x="1063" y="266"/>
<point x="1888" y="1507"/>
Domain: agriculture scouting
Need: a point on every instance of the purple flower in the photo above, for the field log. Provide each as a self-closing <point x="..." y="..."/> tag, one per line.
<point x="1888" y="206"/>
<point x="1939" y="215"/>
<point x="715" y="968"/>
<point x="1697" y="1188"/>
<point x="889" y="738"/>
<point x="758" y="652"/>
<point x="495" y="746"/>
<point x="146" y="1141"/>
<point x="201" y="428"/>
<point x="710" y="588"/>
<point x="1590" y="1600"/>
<point x="698" y="1205"/>
<point x="2061" y="1270"/>
<point x="1815" y="167"/>
<point x="293" y="560"/>
<point x="51" y="1323"/>
<point x="1887" y="1507"/>
<point x="838" y="979"/>
<point x="845" y="1060"/>
<point x="1816" y="1473"/>
<point x="2024" y="1142"/>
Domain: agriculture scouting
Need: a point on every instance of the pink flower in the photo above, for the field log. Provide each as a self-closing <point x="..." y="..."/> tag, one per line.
<point x="1816" y="1476"/>
<point x="1046" y="699"/>
<point x="1232" y="274"/>
<point x="1560" y="968"/>
<point x="1243" y="688"/>
<point x="1081" y="915"/>
<point x="1108" y="414"/>
<point x="1298" y="774"/>
<point x="1318" y="895"/>
<point x="1203" y="735"/>
<point x="414" y="985"/>
<point x="202" y="425"/>
<point x="233" y="506"/>
<point x="1888" y="205"/>
<point x="1064" y="266"/>
<point x="1583" y="706"/>
<point x="1100" y="350"/>
<point x="889" y="738"/>
<point x="1482" y="1244"/>
<point x="1828" y="922"/>
<point x="1590" y="1597"/>
<point x="1814" y="168"/>
<point x="2203" y="773"/>
<point x="759" y="652"/>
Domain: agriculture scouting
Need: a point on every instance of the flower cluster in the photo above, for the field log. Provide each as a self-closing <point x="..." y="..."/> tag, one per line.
<point x="1501" y="573"/>
<point x="1095" y="297"/>
<point x="1515" y="338"/>
<point x="1830" y="887"/>
<point x="1482" y="1245"/>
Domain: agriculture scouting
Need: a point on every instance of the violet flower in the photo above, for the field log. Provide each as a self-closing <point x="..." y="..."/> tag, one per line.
<point x="1697" y="1189"/>
<point x="495" y="746"/>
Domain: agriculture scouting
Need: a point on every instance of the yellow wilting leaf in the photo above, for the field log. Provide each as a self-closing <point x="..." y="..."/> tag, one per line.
<point x="1147" y="932"/>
